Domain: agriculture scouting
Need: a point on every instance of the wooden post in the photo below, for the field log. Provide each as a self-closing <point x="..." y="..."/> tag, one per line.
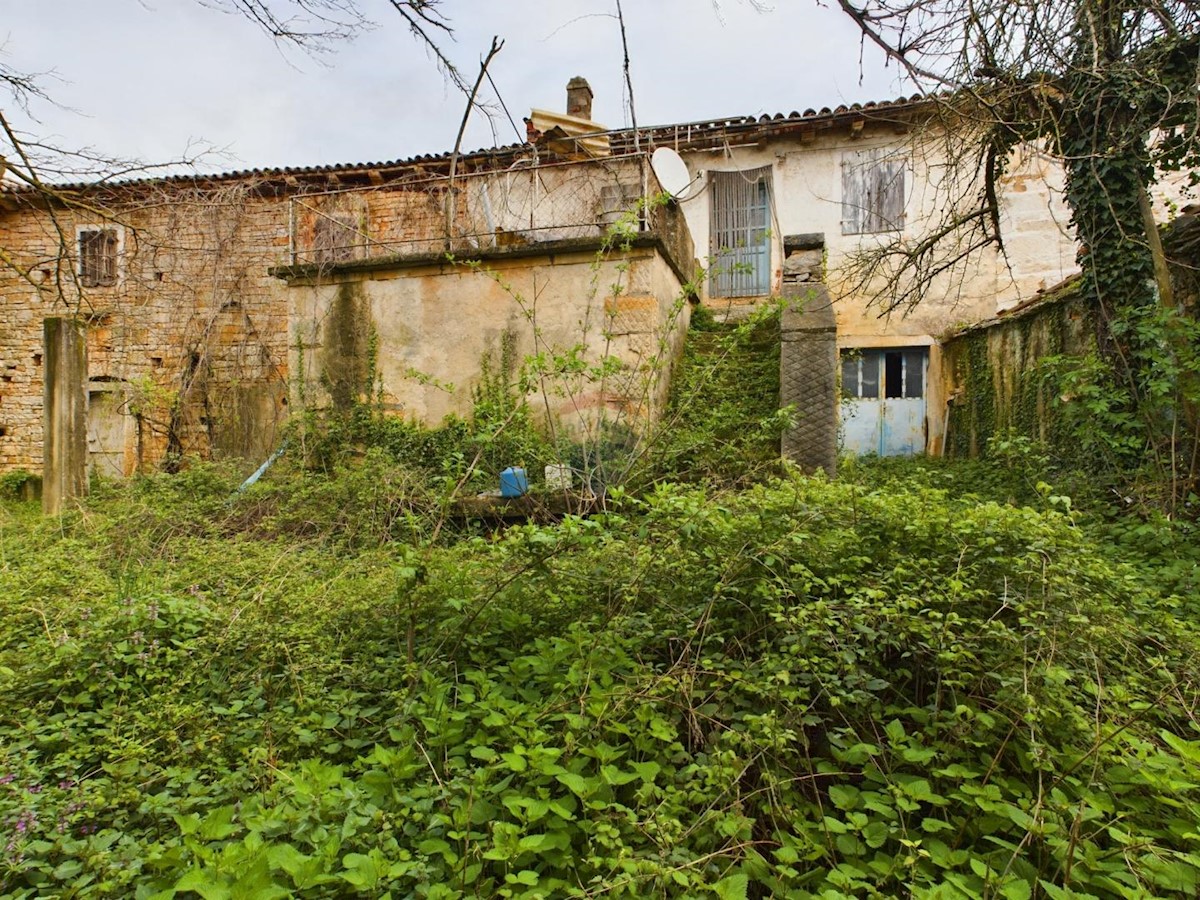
<point x="65" y="451"/>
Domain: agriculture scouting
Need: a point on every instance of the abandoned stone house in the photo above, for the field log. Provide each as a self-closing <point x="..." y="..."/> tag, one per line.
<point x="212" y="307"/>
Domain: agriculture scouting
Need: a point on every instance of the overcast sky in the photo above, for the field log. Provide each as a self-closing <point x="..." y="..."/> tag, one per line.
<point x="145" y="78"/>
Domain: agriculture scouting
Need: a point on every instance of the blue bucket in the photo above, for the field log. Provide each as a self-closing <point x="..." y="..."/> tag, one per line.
<point x="513" y="482"/>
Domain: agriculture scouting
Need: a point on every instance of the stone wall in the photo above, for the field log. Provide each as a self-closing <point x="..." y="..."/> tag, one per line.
<point x="187" y="344"/>
<point x="991" y="371"/>
<point x="192" y="337"/>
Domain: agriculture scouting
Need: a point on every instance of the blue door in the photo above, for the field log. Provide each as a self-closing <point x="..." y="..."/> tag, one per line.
<point x="883" y="401"/>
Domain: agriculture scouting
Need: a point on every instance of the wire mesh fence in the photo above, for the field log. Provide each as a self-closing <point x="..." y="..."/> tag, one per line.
<point x="525" y="204"/>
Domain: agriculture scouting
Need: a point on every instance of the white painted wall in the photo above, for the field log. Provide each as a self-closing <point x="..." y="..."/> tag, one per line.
<point x="807" y="185"/>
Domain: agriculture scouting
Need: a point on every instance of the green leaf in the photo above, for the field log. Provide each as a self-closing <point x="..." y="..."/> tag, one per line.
<point x="218" y="824"/>
<point x="875" y="834"/>
<point x="361" y="871"/>
<point x="287" y="858"/>
<point x="515" y="761"/>
<point x="1016" y="889"/>
<point x="647" y="771"/>
<point x="203" y="884"/>
<point x="843" y="796"/>
<point x="732" y="888"/>
<point x="577" y="784"/>
<point x="543" y="842"/>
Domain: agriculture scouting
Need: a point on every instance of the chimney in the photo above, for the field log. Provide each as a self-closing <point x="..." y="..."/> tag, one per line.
<point x="579" y="98"/>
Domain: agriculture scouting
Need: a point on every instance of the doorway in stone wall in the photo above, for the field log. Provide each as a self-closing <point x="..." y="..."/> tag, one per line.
<point x="883" y="401"/>
<point x="108" y="424"/>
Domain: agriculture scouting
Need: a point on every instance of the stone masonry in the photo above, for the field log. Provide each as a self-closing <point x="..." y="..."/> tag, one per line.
<point x="808" y="357"/>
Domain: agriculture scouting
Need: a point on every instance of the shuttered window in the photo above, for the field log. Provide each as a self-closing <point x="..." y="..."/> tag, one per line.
<point x="98" y="256"/>
<point x="740" y="230"/>
<point x="873" y="191"/>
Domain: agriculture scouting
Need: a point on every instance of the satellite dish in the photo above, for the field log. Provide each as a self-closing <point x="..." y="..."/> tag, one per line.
<point x="671" y="171"/>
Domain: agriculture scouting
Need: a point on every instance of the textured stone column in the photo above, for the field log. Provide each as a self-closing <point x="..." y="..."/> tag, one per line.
<point x="808" y="375"/>
<point x="65" y="451"/>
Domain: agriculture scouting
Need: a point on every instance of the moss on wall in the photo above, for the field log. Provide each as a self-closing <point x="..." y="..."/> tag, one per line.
<point x="348" y="347"/>
<point x="995" y="377"/>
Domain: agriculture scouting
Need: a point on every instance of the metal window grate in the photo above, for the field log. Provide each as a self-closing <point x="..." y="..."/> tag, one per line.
<point x="740" y="232"/>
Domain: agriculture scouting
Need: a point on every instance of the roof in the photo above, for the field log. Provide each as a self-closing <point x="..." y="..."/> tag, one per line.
<point x="684" y="135"/>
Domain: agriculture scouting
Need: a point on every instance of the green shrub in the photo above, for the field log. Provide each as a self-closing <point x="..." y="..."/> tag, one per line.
<point x="803" y="689"/>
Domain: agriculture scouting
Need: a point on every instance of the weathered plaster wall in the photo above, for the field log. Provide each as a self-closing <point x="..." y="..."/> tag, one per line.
<point x="992" y="377"/>
<point x="425" y="330"/>
<point x="807" y="197"/>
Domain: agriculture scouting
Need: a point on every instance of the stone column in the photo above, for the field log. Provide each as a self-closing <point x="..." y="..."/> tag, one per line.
<point x="808" y="357"/>
<point x="65" y="451"/>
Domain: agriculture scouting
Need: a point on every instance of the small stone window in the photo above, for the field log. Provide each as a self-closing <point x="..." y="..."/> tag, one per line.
<point x="336" y="238"/>
<point x="97" y="253"/>
<point x="873" y="191"/>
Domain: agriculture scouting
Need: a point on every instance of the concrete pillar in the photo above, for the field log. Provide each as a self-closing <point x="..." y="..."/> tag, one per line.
<point x="808" y="376"/>
<point x="65" y="451"/>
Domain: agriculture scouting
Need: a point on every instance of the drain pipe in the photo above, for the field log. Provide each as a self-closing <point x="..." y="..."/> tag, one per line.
<point x="261" y="470"/>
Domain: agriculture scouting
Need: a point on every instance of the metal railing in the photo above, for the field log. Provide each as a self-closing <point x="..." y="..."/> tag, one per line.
<point x="525" y="204"/>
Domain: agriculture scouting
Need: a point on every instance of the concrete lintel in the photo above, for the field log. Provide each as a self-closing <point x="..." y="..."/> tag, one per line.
<point x="801" y="334"/>
<point x="304" y="273"/>
<point x="808" y="306"/>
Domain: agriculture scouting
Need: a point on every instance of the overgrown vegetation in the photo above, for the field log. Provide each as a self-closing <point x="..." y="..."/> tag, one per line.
<point x="804" y="688"/>
<point x="928" y="679"/>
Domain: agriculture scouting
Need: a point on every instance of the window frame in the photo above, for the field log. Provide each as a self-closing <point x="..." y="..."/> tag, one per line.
<point x="877" y="357"/>
<point x="728" y="278"/>
<point x="115" y="245"/>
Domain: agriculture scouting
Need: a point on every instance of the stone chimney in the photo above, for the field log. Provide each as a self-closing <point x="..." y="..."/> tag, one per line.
<point x="579" y="98"/>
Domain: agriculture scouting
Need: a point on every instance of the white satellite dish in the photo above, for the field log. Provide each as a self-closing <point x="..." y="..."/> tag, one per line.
<point x="671" y="171"/>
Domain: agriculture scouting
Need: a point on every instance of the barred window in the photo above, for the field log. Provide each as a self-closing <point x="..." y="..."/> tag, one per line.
<point x="740" y="233"/>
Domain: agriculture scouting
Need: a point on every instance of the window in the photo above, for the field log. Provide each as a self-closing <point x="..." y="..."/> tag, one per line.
<point x="740" y="231"/>
<point x="335" y="237"/>
<point x="886" y="374"/>
<point x="98" y="256"/>
<point x="873" y="193"/>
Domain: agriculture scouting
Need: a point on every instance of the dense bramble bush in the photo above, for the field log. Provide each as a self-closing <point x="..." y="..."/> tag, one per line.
<point x="863" y="688"/>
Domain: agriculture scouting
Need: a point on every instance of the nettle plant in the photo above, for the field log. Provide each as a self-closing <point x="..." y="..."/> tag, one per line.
<point x="805" y="689"/>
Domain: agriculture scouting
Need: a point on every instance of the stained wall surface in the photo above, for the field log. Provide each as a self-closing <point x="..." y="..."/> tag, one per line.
<point x="427" y="329"/>
<point x="187" y="347"/>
